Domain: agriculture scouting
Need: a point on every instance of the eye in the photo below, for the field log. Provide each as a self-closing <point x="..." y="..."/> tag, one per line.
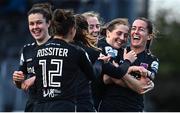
<point x="39" y="22"/>
<point x="98" y="26"/>
<point x="91" y="27"/>
<point x="133" y="28"/>
<point x="31" y="23"/>
<point x="126" y="35"/>
<point x="142" y="29"/>
<point x="119" y="33"/>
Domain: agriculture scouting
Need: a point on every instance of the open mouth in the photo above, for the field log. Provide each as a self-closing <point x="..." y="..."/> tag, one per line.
<point x="118" y="41"/>
<point x="95" y="34"/>
<point x="136" y="37"/>
<point x="37" y="32"/>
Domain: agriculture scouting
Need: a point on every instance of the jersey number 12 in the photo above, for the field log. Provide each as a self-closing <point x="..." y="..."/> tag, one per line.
<point x="48" y="82"/>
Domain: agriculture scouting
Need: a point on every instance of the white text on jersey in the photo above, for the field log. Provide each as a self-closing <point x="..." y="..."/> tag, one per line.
<point x="52" y="52"/>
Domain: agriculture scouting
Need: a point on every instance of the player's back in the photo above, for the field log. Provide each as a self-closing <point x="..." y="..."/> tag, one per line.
<point x="57" y="65"/>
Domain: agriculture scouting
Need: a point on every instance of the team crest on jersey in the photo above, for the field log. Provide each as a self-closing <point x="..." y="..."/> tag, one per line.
<point x="155" y="65"/>
<point x="110" y="51"/>
<point x="145" y="65"/>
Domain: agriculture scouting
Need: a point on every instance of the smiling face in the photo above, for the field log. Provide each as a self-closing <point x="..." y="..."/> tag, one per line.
<point x="118" y="36"/>
<point x="94" y="26"/>
<point x="38" y="26"/>
<point x="139" y="34"/>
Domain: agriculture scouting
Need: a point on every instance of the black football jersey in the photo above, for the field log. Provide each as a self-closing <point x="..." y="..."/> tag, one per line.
<point x="84" y="91"/>
<point x="57" y="66"/>
<point x="93" y="53"/>
<point x="26" y="65"/>
<point x="148" y="61"/>
<point x="124" y="99"/>
<point x="109" y="50"/>
<point x="117" y="56"/>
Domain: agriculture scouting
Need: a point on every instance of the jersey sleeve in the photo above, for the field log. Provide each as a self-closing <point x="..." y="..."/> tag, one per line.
<point x="116" y="72"/>
<point x="86" y="65"/>
<point x="154" y="66"/>
<point x="22" y="63"/>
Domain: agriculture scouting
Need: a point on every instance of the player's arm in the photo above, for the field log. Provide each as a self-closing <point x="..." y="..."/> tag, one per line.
<point x="140" y="86"/>
<point x="20" y="82"/>
<point x="103" y="66"/>
<point x="116" y="71"/>
<point x="153" y="69"/>
<point x="86" y="65"/>
<point x="18" y="78"/>
<point x="146" y="80"/>
<point x="145" y="83"/>
<point x="26" y="84"/>
<point x="97" y="66"/>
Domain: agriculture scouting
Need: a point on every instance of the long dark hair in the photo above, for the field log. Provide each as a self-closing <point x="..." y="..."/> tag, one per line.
<point x="62" y="21"/>
<point x="82" y="34"/>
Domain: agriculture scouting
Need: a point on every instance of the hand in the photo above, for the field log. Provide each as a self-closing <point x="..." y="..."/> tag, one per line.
<point x="149" y="85"/>
<point x="141" y="86"/>
<point x="28" y="83"/>
<point x="138" y="69"/>
<point x="115" y="64"/>
<point x="18" y="76"/>
<point x="104" y="58"/>
<point x="131" y="56"/>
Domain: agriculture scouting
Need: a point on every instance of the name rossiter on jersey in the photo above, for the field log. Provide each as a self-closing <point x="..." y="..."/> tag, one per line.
<point x="52" y="52"/>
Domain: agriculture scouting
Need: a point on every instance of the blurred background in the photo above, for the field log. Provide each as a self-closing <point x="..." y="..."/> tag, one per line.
<point x="14" y="33"/>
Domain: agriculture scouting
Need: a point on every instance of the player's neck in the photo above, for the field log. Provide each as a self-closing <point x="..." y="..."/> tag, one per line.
<point x="137" y="50"/>
<point x="62" y="38"/>
<point x="40" y="42"/>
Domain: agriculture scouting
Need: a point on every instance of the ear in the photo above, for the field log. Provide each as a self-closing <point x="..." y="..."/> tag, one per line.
<point x="107" y="33"/>
<point x="73" y="29"/>
<point x="49" y="23"/>
<point x="150" y="36"/>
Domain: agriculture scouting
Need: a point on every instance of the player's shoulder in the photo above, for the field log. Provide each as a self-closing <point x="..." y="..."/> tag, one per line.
<point x="152" y="56"/>
<point x="29" y="45"/>
<point x="76" y="47"/>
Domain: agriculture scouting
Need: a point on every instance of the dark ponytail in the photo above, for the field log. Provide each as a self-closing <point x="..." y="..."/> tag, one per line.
<point x="62" y="21"/>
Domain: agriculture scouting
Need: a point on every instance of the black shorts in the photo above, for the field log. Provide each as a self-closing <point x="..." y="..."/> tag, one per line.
<point x="30" y="105"/>
<point x="55" y="106"/>
<point x="114" y="106"/>
<point x="85" y="105"/>
<point x="106" y="107"/>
